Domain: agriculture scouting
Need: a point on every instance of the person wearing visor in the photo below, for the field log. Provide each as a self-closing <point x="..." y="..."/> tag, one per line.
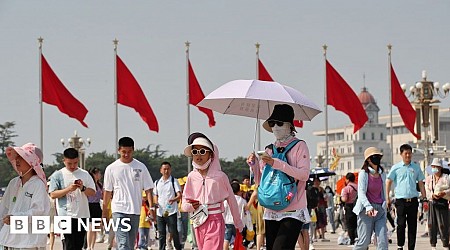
<point x="437" y="187"/>
<point x="283" y="226"/>
<point x="371" y="202"/>
<point x="26" y="195"/>
<point x="205" y="190"/>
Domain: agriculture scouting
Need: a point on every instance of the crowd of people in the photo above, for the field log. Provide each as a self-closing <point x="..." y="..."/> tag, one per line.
<point x="284" y="208"/>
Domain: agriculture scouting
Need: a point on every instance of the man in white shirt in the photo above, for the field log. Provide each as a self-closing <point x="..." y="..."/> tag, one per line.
<point x="126" y="177"/>
<point x="167" y="193"/>
<point x="71" y="186"/>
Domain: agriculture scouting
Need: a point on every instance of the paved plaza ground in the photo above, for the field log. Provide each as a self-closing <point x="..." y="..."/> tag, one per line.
<point x="421" y="243"/>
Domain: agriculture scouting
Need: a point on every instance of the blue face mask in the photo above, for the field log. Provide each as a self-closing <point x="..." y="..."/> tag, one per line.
<point x="371" y="170"/>
<point x="434" y="170"/>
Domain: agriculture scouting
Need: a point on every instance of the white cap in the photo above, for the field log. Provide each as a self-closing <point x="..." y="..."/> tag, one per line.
<point x="198" y="141"/>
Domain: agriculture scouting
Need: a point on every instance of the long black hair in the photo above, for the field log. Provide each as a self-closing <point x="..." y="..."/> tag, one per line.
<point x="331" y="190"/>
<point x="93" y="171"/>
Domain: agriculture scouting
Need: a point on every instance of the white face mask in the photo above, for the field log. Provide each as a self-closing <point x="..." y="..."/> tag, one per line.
<point x="283" y="132"/>
<point x="201" y="167"/>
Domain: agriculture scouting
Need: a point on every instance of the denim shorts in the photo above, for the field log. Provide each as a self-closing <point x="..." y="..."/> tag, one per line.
<point x="230" y="231"/>
<point x="305" y="226"/>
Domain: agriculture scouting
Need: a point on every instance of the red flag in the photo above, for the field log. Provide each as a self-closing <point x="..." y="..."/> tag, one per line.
<point x="196" y="95"/>
<point x="343" y="98"/>
<point x="130" y="94"/>
<point x="405" y="108"/>
<point x="55" y="93"/>
<point x="264" y="75"/>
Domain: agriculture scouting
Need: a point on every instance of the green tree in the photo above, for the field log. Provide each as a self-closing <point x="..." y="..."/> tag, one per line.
<point x="100" y="160"/>
<point x="6" y="135"/>
<point x="7" y="171"/>
<point x="58" y="164"/>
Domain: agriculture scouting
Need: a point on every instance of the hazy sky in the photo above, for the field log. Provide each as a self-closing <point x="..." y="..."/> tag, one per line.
<point x="78" y="45"/>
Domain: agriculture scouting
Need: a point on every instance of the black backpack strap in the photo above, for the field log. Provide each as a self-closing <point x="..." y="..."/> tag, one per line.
<point x="156" y="187"/>
<point x="173" y="186"/>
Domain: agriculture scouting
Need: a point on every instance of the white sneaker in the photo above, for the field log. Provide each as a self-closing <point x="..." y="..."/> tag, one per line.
<point x="311" y="247"/>
<point x="433" y="248"/>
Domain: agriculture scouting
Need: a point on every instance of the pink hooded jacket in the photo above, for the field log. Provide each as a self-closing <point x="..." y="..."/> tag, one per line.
<point x="215" y="188"/>
<point x="298" y="157"/>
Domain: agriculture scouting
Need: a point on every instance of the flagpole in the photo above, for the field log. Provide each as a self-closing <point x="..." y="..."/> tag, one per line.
<point x="116" y="42"/>
<point x="389" y="46"/>
<point x="41" y="41"/>
<point x="258" y="130"/>
<point x="188" y="112"/>
<point x="325" y="103"/>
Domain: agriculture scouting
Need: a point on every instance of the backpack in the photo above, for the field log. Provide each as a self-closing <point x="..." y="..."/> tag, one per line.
<point x="277" y="189"/>
<point x="352" y="204"/>
<point x="312" y="197"/>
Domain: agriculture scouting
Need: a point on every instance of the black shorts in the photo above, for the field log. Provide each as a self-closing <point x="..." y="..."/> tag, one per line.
<point x="95" y="210"/>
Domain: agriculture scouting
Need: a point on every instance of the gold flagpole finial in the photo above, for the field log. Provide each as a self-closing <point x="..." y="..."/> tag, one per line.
<point x="187" y="44"/>
<point x="257" y="45"/>
<point x="40" y="41"/>
<point x="325" y="47"/>
<point x="115" y="42"/>
<point x="389" y="46"/>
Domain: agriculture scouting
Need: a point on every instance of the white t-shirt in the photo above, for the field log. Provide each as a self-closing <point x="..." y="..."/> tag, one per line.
<point x="165" y="191"/>
<point x="75" y="203"/>
<point x="228" y="217"/>
<point x="30" y="199"/>
<point x="127" y="180"/>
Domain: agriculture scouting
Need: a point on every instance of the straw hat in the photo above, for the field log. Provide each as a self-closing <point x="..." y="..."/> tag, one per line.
<point x="371" y="151"/>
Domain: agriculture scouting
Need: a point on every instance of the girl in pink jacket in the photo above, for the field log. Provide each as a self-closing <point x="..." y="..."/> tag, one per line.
<point x="205" y="190"/>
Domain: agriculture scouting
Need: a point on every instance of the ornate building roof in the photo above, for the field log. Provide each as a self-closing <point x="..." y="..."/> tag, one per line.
<point x="365" y="97"/>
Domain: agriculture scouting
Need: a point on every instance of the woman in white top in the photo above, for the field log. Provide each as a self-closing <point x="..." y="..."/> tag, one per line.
<point x="437" y="187"/>
<point x="26" y="195"/>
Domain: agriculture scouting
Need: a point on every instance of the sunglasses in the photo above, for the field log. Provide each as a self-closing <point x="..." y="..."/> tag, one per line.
<point x="272" y="123"/>
<point x="201" y="151"/>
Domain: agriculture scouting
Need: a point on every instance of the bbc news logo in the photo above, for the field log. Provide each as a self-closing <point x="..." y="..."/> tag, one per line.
<point x="63" y="224"/>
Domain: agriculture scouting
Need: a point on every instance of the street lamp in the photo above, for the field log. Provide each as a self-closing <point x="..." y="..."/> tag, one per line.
<point x="319" y="160"/>
<point x="425" y="93"/>
<point x="77" y="143"/>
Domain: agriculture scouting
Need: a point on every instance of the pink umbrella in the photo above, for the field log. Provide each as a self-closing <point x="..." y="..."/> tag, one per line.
<point x="255" y="98"/>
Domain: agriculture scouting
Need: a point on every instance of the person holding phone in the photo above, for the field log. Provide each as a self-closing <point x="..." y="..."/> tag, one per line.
<point x="282" y="227"/>
<point x="71" y="186"/>
<point x="371" y="202"/>
<point x="205" y="191"/>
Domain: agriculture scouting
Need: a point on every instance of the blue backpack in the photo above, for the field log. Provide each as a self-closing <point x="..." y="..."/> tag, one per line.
<point x="277" y="189"/>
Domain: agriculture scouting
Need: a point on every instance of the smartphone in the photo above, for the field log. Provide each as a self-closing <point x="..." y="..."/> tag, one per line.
<point x="78" y="182"/>
<point x="261" y="153"/>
